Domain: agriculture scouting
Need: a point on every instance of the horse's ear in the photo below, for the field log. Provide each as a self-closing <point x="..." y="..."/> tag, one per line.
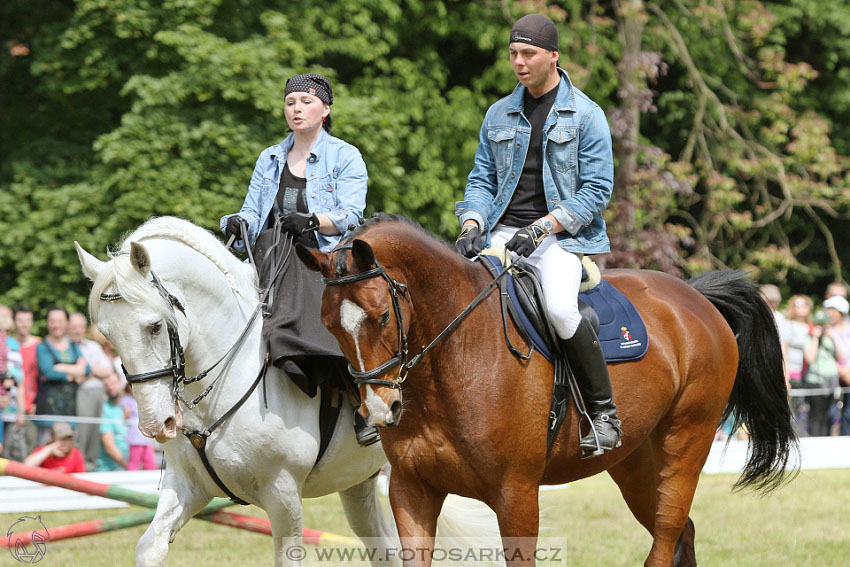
<point x="363" y="253"/>
<point x="91" y="265"/>
<point x="315" y="260"/>
<point x="139" y="258"/>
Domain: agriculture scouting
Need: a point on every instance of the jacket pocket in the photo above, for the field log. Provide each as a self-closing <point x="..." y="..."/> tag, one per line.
<point x="562" y="148"/>
<point x="502" y="144"/>
<point x="326" y="193"/>
<point x="268" y="183"/>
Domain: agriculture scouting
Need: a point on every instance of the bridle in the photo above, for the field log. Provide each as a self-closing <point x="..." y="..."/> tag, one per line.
<point x="177" y="368"/>
<point x="396" y="288"/>
<point x="400" y="358"/>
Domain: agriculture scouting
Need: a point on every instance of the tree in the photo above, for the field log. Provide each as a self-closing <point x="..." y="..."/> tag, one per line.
<point x="723" y="115"/>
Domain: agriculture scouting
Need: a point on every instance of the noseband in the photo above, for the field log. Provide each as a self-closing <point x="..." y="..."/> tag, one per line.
<point x="177" y="369"/>
<point x="400" y="359"/>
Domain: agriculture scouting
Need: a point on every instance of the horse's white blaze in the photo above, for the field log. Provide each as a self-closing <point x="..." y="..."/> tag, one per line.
<point x="378" y="409"/>
<point x="351" y="316"/>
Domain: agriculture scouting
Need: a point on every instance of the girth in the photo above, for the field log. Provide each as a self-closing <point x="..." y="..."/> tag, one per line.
<point x="530" y="296"/>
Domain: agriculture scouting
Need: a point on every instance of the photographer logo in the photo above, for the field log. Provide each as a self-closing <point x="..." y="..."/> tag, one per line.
<point x="28" y="539"/>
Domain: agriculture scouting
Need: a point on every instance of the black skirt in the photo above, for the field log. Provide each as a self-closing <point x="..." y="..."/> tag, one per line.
<point x="298" y="342"/>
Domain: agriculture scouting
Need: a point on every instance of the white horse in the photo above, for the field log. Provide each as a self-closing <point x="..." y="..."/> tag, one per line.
<point x="265" y="455"/>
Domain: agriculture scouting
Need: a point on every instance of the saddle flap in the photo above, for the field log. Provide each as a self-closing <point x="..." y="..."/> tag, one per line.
<point x="529" y="296"/>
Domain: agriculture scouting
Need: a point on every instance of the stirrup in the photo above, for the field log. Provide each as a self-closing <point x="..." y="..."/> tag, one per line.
<point x="366" y="434"/>
<point x="589" y="452"/>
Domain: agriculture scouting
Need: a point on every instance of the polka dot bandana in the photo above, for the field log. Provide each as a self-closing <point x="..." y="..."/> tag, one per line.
<point x="311" y="83"/>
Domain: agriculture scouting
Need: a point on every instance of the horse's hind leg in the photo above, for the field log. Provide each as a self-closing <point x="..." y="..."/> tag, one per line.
<point x="685" y="555"/>
<point x="639" y="481"/>
<point x="367" y="519"/>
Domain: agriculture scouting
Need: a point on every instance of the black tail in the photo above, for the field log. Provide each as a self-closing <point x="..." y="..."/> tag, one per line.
<point x="759" y="399"/>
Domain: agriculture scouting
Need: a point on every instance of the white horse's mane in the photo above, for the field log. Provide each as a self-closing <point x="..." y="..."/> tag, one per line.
<point x="119" y="276"/>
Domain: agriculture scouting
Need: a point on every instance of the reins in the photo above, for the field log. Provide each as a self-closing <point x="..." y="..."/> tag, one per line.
<point x="401" y="357"/>
<point x="177" y="370"/>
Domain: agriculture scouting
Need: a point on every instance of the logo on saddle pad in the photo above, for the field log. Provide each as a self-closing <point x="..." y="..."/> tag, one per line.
<point x="628" y="342"/>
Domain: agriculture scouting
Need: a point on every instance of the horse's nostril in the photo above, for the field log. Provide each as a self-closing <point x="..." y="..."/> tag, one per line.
<point x="169" y="424"/>
<point x="395" y="410"/>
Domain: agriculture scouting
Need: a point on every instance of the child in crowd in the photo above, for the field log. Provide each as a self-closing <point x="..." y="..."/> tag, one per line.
<point x="141" y="447"/>
<point x="59" y="454"/>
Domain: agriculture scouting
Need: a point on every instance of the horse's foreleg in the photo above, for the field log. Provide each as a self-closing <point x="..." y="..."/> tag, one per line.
<point x="282" y="502"/>
<point x="518" y="512"/>
<point x="416" y="508"/>
<point x="367" y="518"/>
<point x="178" y="503"/>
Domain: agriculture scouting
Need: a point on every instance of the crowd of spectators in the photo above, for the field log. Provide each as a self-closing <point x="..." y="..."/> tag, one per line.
<point x="64" y="400"/>
<point x="73" y="372"/>
<point x="816" y="348"/>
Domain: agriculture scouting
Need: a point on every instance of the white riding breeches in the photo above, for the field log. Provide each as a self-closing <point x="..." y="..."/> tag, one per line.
<point x="559" y="273"/>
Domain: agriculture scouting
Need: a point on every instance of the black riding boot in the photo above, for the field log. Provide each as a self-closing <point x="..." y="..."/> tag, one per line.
<point x="366" y="434"/>
<point x="588" y="363"/>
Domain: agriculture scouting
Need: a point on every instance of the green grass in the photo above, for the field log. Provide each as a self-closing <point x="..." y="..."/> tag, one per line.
<point x="804" y="523"/>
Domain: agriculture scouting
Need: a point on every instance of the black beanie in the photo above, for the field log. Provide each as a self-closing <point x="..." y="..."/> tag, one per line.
<point x="536" y="29"/>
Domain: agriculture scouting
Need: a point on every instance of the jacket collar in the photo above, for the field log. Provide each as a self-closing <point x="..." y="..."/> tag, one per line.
<point x="316" y="151"/>
<point x="565" y="101"/>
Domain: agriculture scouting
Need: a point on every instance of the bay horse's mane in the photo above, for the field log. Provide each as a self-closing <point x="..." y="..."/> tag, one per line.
<point x="379" y="218"/>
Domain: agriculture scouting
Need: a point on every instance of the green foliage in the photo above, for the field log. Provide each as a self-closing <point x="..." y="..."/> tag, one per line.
<point x="114" y="111"/>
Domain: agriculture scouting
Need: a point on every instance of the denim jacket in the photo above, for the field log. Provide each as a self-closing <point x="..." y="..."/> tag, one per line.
<point x="578" y="166"/>
<point x="336" y="186"/>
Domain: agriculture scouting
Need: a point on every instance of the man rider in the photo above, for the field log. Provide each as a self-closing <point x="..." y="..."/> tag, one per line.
<point x="543" y="174"/>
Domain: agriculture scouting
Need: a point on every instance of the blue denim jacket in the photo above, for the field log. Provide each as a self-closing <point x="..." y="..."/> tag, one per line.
<point x="336" y="186"/>
<point x="578" y="169"/>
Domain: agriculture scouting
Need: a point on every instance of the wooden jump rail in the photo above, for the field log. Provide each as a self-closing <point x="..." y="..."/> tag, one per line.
<point x="211" y="513"/>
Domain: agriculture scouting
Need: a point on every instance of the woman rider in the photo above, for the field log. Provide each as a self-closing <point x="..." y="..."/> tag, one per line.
<point x="315" y="185"/>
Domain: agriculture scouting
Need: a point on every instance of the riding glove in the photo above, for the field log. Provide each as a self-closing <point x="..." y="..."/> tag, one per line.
<point x="526" y="240"/>
<point x="469" y="243"/>
<point x="297" y="224"/>
<point x="234" y="227"/>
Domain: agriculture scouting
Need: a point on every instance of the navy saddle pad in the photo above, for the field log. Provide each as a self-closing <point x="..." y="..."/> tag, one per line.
<point x="622" y="332"/>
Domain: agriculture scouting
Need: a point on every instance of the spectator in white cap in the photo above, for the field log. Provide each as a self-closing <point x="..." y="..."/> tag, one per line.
<point x="825" y="350"/>
<point x="837" y="308"/>
<point x="837" y="289"/>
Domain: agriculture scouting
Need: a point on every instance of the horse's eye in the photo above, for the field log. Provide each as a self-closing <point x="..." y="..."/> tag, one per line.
<point x="156" y="327"/>
<point x="385" y="318"/>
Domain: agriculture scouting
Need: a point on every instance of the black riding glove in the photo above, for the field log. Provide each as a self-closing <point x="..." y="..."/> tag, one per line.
<point x="297" y="224"/>
<point x="526" y="240"/>
<point x="469" y="243"/>
<point x="234" y="227"/>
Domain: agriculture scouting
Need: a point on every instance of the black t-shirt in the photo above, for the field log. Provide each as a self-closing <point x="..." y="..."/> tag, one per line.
<point x="292" y="198"/>
<point x="291" y="193"/>
<point x="529" y="202"/>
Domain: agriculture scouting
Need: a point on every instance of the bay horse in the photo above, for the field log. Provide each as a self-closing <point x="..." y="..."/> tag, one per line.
<point x="467" y="417"/>
<point x="173" y="290"/>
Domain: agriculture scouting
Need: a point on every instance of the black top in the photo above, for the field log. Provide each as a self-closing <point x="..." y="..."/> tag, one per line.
<point x="291" y="193"/>
<point x="292" y="198"/>
<point x="529" y="202"/>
